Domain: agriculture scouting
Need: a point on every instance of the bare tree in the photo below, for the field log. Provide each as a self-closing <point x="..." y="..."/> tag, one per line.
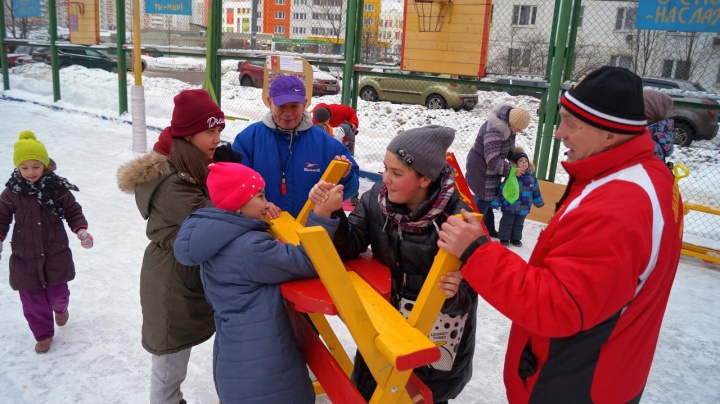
<point x="644" y="43"/>
<point x="587" y="58"/>
<point x="331" y="12"/>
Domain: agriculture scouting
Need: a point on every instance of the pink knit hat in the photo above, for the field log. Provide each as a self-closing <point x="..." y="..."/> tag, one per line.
<point x="232" y="185"/>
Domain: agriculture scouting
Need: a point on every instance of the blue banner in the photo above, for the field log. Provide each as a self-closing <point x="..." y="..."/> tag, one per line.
<point x="679" y="15"/>
<point x="177" y="7"/>
<point x="26" y="8"/>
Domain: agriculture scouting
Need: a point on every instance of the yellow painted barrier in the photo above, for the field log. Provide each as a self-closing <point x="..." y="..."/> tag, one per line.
<point x="703" y="253"/>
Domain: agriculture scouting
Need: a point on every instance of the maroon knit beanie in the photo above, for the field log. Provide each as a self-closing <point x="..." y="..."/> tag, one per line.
<point x="195" y="112"/>
<point x="164" y="142"/>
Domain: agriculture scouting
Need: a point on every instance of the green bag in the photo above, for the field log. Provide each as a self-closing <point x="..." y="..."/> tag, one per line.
<point x="511" y="189"/>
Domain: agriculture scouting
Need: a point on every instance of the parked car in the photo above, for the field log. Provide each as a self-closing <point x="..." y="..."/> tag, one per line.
<point x="324" y="83"/>
<point x="21" y="52"/>
<point x="332" y="70"/>
<point x="251" y="75"/>
<point x="83" y="56"/>
<point x="111" y="52"/>
<point x="522" y="82"/>
<point x="410" y="90"/>
<point x="38" y="54"/>
<point x="690" y="123"/>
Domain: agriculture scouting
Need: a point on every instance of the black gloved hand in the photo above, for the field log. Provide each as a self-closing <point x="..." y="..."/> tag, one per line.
<point x="225" y="154"/>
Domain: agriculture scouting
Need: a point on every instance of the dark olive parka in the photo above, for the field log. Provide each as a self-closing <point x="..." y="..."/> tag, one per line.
<point x="176" y="315"/>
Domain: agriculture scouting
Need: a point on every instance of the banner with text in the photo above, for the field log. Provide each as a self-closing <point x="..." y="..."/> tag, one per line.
<point x="26" y="8"/>
<point x="177" y="7"/>
<point x="679" y="15"/>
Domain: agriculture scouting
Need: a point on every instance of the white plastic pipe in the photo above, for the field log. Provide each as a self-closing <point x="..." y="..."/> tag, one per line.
<point x="139" y="144"/>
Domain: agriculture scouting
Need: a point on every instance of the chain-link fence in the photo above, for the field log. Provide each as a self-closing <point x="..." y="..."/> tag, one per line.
<point x="391" y="100"/>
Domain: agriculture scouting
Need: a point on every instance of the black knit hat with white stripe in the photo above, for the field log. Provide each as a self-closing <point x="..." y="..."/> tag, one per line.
<point x="609" y="98"/>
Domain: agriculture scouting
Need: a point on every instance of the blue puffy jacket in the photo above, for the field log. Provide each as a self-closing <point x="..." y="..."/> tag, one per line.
<point x="256" y="358"/>
<point x="302" y="155"/>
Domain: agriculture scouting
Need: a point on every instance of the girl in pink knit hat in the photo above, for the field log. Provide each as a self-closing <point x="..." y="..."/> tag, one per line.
<point x="242" y="267"/>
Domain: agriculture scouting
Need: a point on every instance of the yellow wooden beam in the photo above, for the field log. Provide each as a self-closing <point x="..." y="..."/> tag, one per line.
<point x="390" y="347"/>
<point x="285" y="228"/>
<point x="332" y="342"/>
<point x="333" y="174"/>
<point x="431" y="298"/>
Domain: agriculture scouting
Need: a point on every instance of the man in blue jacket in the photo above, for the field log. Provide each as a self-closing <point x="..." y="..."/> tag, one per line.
<point x="289" y="151"/>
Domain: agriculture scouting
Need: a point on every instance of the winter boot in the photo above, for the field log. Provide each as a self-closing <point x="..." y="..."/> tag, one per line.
<point x="505" y="243"/>
<point x="62" y="318"/>
<point x="516" y="243"/>
<point x="43" y="346"/>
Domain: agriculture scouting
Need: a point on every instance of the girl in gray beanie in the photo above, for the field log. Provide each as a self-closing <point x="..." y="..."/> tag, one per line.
<point x="399" y="218"/>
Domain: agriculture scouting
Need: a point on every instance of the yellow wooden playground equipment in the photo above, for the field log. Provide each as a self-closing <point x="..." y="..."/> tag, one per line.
<point x="359" y="291"/>
<point x="703" y="253"/>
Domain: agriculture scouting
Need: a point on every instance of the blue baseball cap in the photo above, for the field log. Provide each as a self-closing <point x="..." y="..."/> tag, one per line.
<point x="285" y="89"/>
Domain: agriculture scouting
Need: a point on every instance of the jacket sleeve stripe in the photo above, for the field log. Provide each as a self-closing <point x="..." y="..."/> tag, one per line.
<point x="639" y="176"/>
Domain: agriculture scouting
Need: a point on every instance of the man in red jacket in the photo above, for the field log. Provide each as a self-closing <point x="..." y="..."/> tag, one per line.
<point x="587" y="306"/>
<point x="336" y="113"/>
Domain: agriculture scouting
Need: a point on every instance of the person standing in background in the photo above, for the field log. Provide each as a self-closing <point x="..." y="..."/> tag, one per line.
<point x="289" y="151"/>
<point x="657" y="108"/>
<point x="515" y="212"/>
<point x="487" y="162"/>
<point x="343" y="122"/>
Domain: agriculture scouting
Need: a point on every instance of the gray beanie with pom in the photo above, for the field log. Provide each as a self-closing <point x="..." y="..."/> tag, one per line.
<point x="423" y="149"/>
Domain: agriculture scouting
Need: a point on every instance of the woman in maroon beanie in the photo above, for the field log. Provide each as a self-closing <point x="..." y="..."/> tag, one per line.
<point x="169" y="184"/>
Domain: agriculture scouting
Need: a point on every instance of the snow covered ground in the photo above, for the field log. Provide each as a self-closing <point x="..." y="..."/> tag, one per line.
<point x="97" y="356"/>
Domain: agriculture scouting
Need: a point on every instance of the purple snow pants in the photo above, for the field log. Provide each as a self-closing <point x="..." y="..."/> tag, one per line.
<point x="39" y="305"/>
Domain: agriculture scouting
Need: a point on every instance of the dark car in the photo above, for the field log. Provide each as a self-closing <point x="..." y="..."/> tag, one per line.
<point x="38" y="54"/>
<point x="690" y="123"/>
<point x="251" y="74"/>
<point x="83" y="56"/>
<point x="111" y="52"/>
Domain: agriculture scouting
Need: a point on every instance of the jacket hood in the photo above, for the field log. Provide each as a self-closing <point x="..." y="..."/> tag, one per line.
<point x="305" y="123"/>
<point x="142" y="176"/>
<point x="144" y="169"/>
<point x="207" y="231"/>
<point x="498" y="119"/>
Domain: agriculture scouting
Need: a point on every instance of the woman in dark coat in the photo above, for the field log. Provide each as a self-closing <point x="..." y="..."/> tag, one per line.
<point x="487" y="162"/>
<point x="400" y="219"/>
<point x="169" y="184"/>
